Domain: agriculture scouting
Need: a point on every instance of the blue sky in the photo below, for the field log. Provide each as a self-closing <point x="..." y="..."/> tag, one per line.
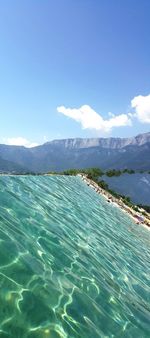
<point x="92" y="56"/>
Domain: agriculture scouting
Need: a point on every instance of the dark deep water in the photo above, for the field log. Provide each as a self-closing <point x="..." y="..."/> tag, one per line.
<point x="137" y="186"/>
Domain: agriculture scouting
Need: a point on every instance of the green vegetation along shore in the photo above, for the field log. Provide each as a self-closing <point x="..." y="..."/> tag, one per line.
<point x="95" y="173"/>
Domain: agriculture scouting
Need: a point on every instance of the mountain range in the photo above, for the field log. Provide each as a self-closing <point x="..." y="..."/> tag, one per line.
<point x="58" y="155"/>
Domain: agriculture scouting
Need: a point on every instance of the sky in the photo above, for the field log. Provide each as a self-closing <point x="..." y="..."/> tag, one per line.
<point x="73" y="68"/>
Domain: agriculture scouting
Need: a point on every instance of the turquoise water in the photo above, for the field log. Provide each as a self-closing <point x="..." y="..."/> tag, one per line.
<point x="71" y="265"/>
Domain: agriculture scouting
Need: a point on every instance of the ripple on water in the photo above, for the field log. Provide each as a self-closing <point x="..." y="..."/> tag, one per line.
<point x="70" y="264"/>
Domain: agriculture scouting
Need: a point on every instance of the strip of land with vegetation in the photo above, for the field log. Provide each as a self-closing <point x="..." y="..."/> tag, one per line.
<point x="95" y="175"/>
<point x="140" y="213"/>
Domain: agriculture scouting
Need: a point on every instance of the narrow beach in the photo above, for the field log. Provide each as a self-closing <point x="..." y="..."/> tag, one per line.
<point x="119" y="203"/>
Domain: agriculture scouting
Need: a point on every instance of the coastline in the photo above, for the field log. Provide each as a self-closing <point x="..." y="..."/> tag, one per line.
<point x="136" y="216"/>
<point x="118" y="203"/>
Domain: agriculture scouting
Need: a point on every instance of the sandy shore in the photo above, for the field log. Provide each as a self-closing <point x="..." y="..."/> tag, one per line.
<point x="137" y="217"/>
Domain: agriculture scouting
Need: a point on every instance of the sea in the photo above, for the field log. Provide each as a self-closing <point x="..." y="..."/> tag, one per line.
<point x="72" y="265"/>
<point x="136" y="186"/>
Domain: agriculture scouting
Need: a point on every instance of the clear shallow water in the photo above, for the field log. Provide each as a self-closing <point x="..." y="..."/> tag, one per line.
<point x="71" y="265"/>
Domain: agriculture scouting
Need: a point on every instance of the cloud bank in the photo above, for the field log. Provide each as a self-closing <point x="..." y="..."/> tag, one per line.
<point x="89" y="119"/>
<point x="141" y="104"/>
<point x="19" y="141"/>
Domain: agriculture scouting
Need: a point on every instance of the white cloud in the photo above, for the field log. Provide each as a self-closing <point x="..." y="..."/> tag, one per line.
<point x="19" y="141"/>
<point x="111" y="114"/>
<point x="142" y="108"/>
<point x="89" y="119"/>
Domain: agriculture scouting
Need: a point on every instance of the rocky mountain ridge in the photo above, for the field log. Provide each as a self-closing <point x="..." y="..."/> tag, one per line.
<point x="58" y="155"/>
<point x="111" y="142"/>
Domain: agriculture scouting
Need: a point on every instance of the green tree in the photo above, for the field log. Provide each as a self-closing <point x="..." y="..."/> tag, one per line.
<point x="103" y="185"/>
<point x="113" y="172"/>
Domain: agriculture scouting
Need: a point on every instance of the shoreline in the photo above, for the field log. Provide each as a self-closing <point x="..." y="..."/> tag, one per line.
<point x="135" y="215"/>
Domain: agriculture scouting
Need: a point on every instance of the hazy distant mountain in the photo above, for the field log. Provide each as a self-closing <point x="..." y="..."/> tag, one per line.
<point x="11" y="167"/>
<point x="113" y="143"/>
<point x="133" y="153"/>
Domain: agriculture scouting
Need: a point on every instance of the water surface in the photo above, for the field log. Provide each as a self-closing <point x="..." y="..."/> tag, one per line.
<point x="71" y="265"/>
<point x="137" y="186"/>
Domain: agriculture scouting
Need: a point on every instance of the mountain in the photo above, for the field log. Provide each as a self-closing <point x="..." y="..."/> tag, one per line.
<point x="58" y="155"/>
<point x="111" y="142"/>
<point x="11" y="167"/>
